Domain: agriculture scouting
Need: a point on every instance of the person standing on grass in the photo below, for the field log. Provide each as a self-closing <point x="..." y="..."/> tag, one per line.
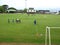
<point x="13" y="20"/>
<point x="8" y="20"/>
<point x="20" y="21"/>
<point x="34" y="22"/>
<point x="17" y="20"/>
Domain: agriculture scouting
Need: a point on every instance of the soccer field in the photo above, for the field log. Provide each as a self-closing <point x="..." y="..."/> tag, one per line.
<point x="26" y="31"/>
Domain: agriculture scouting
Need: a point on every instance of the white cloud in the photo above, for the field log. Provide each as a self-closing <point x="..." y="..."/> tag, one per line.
<point x="32" y="3"/>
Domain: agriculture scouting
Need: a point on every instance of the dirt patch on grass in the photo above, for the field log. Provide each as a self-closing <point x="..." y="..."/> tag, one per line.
<point x="20" y="44"/>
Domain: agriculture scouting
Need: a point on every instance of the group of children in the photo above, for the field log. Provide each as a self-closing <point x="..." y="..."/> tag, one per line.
<point x="12" y="20"/>
<point x="18" y="21"/>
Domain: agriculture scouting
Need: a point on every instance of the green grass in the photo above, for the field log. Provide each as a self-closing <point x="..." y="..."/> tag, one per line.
<point x="55" y="36"/>
<point x="26" y="30"/>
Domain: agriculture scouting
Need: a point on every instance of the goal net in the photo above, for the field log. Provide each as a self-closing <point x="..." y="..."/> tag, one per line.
<point x="52" y="36"/>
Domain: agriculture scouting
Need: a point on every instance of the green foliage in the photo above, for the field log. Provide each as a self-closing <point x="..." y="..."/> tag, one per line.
<point x="1" y="9"/>
<point x="5" y="7"/>
<point x="25" y="10"/>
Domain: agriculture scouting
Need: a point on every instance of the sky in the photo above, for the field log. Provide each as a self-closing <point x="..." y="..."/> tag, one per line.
<point x="37" y="4"/>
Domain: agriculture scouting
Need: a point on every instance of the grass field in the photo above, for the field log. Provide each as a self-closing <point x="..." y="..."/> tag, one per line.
<point x="26" y="31"/>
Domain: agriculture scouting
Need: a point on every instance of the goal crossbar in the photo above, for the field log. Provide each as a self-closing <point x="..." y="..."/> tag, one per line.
<point x="52" y="27"/>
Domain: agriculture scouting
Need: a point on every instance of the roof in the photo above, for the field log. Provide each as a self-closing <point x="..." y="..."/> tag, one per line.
<point x="11" y="10"/>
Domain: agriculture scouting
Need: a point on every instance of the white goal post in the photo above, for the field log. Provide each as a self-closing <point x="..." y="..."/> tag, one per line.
<point x="48" y="36"/>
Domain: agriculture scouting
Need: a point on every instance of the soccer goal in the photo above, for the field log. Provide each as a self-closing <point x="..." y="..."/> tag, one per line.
<point x="52" y="36"/>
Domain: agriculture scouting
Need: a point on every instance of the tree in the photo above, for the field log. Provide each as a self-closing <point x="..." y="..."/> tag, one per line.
<point x="1" y="9"/>
<point x="5" y="7"/>
<point x="25" y="10"/>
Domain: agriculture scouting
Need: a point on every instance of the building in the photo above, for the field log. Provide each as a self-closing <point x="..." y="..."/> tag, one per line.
<point x="59" y="12"/>
<point x="11" y="10"/>
<point x="31" y="11"/>
<point x="43" y="11"/>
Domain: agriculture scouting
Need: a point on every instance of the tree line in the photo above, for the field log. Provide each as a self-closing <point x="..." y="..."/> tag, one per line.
<point x="4" y="8"/>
